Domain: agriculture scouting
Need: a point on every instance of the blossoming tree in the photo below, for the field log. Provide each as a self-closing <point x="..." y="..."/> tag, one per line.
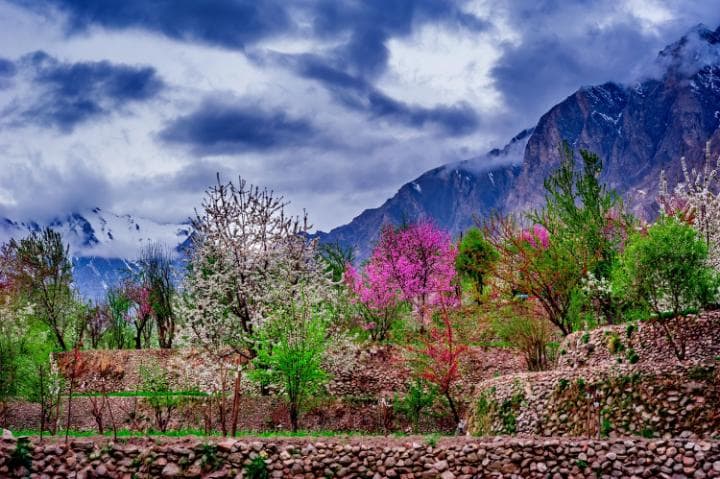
<point x="414" y="264"/>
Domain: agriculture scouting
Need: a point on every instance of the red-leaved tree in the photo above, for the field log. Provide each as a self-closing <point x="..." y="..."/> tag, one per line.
<point x="439" y="359"/>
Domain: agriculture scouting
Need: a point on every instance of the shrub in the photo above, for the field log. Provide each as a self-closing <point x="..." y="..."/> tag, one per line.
<point x="257" y="469"/>
<point x="419" y="397"/>
<point x="162" y="400"/>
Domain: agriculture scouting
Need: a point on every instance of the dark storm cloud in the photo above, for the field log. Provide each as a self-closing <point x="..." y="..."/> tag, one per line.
<point x="217" y="127"/>
<point x="7" y="71"/>
<point x="369" y="24"/>
<point x="72" y="93"/>
<point x="231" y="24"/>
<point x="359" y="94"/>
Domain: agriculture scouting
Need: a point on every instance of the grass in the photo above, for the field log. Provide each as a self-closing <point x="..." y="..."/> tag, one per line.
<point x="201" y="433"/>
<point x="132" y="394"/>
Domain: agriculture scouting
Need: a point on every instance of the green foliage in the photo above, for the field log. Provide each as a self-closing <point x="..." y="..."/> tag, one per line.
<point x="475" y="259"/>
<point x="39" y="265"/>
<point x="614" y="343"/>
<point x="22" y="455"/>
<point x="290" y="349"/>
<point x="257" y="469"/>
<point x="665" y="268"/>
<point x="585" y="338"/>
<point x="419" y="398"/>
<point x="631" y="356"/>
<point x="587" y="221"/>
<point x="209" y="459"/>
<point x="120" y="332"/>
<point x="431" y="440"/>
<point x="484" y="411"/>
<point x="701" y="373"/>
<point x="606" y="427"/>
<point x="523" y="328"/>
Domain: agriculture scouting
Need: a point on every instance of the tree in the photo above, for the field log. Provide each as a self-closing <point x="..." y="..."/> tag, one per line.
<point x="439" y="360"/>
<point x="290" y="351"/>
<point x="475" y="259"/>
<point x="414" y="264"/>
<point x="520" y="322"/>
<point x="139" y="296"/>
<point x="377" y="299"/>
<point x="156" y="273"/>
<point x="665" y="268"/>
<point x="697" y="201"/>
<point x="534" y="264"/>
<point x="40" y="267"/>
<point x="588" y="218"/>
<point x="249" y="257"/>
<point x="118" y="304"/>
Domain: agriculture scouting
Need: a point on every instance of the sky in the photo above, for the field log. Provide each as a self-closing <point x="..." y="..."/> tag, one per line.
<point x="136" y="105"/>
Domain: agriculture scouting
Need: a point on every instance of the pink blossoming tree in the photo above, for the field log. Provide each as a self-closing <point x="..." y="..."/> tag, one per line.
<point x="414" y="265"/>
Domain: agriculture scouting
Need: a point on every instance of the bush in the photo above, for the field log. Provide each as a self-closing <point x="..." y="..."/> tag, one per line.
<point x="419" y="397"/>
<point x="257" y="469"/>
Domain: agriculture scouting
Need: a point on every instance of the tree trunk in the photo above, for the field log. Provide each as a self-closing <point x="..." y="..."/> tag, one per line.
<point x="236" y="402"/>
<point x="453" y="408"/>
<point x="294" y="416"/>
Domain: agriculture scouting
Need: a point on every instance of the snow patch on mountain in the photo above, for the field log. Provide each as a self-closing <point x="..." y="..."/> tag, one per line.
<point x="103" y="234"/>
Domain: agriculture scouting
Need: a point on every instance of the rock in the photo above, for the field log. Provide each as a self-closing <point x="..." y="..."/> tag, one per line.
<point x="171" y="470"/>
<point x="447" y="475"/>
<point x="7" y="435"/>
<point x="440" y="466"/>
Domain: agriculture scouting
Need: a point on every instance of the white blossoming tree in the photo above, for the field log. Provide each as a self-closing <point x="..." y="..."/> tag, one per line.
<point x="696" y="199"/>
<point x="249" y="256"/>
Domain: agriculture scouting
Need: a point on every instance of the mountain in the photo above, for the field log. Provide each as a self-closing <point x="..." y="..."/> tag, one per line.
<point x="638" y="130"/>
<point x="103" y="245"/>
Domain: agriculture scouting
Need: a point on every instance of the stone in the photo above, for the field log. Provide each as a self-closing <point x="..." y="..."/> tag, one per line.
<point x="447" y="475"/>
<point x="171" y="470"/>
<point x="440" y="466"/>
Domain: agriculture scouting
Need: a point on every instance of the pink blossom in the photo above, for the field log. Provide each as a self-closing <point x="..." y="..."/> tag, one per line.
<point x="539" y="237"/>
<point x="414" y="264"/>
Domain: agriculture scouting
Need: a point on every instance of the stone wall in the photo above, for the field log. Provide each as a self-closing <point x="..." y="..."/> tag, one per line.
<point x="645" y="340"/>
<point x="364" y="457"/>
<point x="621" y="399"/>
<point x="355" y="371"/>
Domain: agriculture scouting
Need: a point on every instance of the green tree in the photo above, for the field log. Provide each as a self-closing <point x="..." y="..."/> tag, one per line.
<point x="119" y="331"/>
<point x="290" y="350"/>
<point x="40" y="267"/>
<point x="587" y="218"/>
<point x="666" y="269"/>
<point x="475" y="259"/>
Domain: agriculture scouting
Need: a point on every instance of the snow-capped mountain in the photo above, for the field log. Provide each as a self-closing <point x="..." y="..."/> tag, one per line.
<point x="104" y="245"/>
<point x="637" y="130"/>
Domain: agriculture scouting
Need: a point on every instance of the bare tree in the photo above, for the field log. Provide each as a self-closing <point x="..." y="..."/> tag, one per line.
<point x="156" y="270"/>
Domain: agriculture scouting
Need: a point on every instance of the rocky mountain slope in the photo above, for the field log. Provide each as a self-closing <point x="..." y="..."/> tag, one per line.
<point x="638" y="130"/>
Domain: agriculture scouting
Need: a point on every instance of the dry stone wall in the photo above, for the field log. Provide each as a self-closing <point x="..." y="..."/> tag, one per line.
<point x="364" y="458"/>
<point x="642" y="342"/>
<point x="602" y="401"/>
<point x="616" y="380"/>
